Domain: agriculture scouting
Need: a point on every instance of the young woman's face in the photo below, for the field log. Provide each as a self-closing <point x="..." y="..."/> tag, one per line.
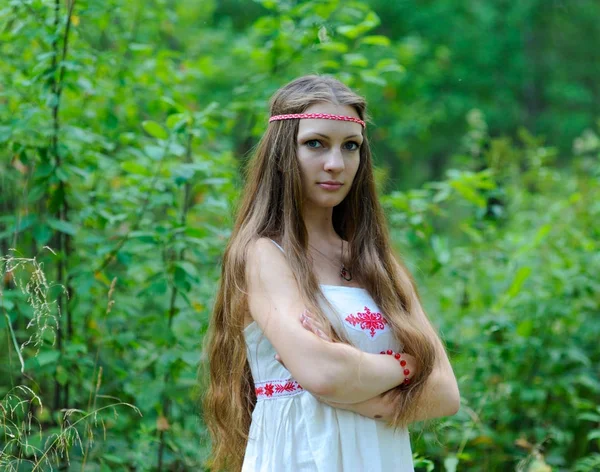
<point x="328" y="151"/>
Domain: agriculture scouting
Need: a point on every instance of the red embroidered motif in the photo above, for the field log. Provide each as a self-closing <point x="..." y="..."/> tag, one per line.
<point x="277" y="388"/>
<point x="368" y="321"/>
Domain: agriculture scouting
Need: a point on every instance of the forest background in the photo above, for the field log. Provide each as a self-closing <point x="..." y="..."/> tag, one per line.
<point x="124" y="130"/>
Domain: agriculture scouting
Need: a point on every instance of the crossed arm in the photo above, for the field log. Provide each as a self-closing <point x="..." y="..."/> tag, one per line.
<point x="440" y="395"/>
<point x="337" y="373"/>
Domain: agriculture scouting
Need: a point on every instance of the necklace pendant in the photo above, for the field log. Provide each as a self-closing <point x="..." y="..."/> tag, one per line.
<point x="345" y="274"/>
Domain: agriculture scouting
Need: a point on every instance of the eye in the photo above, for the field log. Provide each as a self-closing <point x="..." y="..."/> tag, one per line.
<point x="351" y="146"/>
<point x="313" y="143"/>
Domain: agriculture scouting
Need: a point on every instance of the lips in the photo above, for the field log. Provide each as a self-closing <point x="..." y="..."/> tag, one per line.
<point x="330" y="186"/>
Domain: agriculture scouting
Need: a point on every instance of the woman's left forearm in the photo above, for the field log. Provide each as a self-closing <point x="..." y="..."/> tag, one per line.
<point x="440" y="398"/>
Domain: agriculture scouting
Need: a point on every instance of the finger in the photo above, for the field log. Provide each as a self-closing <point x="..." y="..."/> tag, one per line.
<point x="306" y="315"/>
<point x="278" y="359"/>
<point x="312" y="326"/>
<point x="323" y="336"/>
<point x="308" y="324"/>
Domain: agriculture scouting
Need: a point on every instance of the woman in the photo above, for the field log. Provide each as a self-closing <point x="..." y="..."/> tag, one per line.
<point x="311" y="295"/>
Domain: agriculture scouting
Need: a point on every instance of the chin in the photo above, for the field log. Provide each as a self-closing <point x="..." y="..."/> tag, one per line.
<point x="332" y="203"/>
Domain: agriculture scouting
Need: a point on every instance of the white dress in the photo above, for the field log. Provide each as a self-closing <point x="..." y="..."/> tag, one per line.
<point x="292" y="431"/>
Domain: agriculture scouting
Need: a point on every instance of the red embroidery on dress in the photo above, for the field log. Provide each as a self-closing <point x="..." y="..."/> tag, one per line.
<point x="277" y="388"/>
<point x="368" y="321"/>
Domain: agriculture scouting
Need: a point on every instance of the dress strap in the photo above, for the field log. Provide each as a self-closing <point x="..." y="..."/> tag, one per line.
<point x="277" y="245"/>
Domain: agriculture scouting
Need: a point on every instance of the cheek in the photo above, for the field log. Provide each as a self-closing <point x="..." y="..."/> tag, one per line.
<point x="306" y="173"/>
<point x="307" y="165"/>
<point x="355" y="166"/>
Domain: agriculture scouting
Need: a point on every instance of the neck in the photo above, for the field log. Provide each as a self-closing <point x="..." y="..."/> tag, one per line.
<point x="319" y="225"/>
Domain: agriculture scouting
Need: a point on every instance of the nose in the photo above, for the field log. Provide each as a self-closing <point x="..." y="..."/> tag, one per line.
<point x="334" y="161"/>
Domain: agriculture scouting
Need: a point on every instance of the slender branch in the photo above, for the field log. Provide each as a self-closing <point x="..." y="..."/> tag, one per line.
<point x="54" y="151"/>
<point x="65" y="47"/>
<point x="14" y="340"/>
<point x="63" y="240"/>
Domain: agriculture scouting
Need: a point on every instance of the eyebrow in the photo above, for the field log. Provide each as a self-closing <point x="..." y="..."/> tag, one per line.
<point x="327" y="137"/>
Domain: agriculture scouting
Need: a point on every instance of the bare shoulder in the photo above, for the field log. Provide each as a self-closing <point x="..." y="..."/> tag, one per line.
<point x="267" y="271"/>
<point x="263" y="253"/>
<point x="263" y="245"/>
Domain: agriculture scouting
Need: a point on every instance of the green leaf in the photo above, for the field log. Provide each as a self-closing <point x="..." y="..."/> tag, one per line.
<point x="154" y="152"/>
<point x="594" y="434"/>
<point x="333" y="46"/>
<point x="371" y="20"/>
<point x="61" y="174"/>
<point x="191" y="357"/>
<point x="42" y="234"/>
<point x="372" y="77"/>
<point x="450" y="463"/>
<point x="376" y="40"/>
<point x="5" y="133"/>
<point x="47" y="357"/>
<point x="188" y="267"/>
<point x="155" y="130"/>
<point x="62" y="226"/>
<point x="269" y="4"/>
<point x="542" y="233"/>
<point x="351" y="32"/>
<point x="357" y="60"/>
<point x="177" y="121"/>
<point x="440" y="248"/>
<point x="135" y="167"/>
<point x="8" y="305"/>
<point x="588" y="416"/>
<point x="140" y="47"/>
<point x="180" y="278"/>
<point x="354" y="31"/>
<point x="43" y="170"/>
<point x="525" y="327"/>
<point x="113" y="458"/>
<point x="20" y="224"/>
<point x="62" y="375"/>
<point x="389" y="65"/>
<point x="325" y="65"/>
<point x="517" y="283"/>
<point x="469" y="194"/>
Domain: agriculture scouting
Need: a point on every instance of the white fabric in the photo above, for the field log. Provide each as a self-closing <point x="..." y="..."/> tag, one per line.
<point x="296" y="432"/>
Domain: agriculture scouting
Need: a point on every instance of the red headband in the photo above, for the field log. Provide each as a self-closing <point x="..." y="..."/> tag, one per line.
<point x="324" y="116"/>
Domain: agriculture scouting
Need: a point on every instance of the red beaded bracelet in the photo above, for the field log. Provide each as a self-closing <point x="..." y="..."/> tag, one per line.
<point x="398" y="357"/>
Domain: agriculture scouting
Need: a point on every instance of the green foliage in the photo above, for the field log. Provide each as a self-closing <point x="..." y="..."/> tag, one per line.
<point x="124" y="130"/>
<point x="513" y="284"/>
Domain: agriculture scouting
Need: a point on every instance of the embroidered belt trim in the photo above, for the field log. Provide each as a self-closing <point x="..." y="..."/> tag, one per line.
<point x="277" y="388"/>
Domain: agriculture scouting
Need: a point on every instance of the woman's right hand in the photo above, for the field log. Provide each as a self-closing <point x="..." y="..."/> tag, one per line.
<point x="313" y="326"/>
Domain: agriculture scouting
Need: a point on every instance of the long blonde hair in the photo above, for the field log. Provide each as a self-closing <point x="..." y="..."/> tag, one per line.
<point x="271" y="206"/>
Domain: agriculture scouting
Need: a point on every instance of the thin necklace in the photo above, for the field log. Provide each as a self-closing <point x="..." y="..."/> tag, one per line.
<point x="344" y="272"/>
